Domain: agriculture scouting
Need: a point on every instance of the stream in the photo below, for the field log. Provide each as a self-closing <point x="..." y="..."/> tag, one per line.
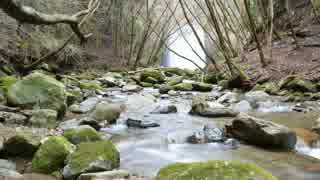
<point x="145" y="151"/>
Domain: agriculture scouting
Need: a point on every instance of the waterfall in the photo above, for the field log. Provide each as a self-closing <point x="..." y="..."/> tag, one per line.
<point x="179" y="42"/>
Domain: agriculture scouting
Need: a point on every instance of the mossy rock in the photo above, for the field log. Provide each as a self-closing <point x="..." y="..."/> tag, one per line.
<point x="90" y="85"/>
<point x="175" y="80"/>
<point x="214" y="170"/>
<point x="315" y="96"/>
<point x="214" y="78"/>
<point x="51" y="155"/>
<point x="174" y="71"/>
<point x="82" y="134"/>
<point x="74" y="95"/>
<point x="268" y="87"/>
<point x="183" y="87"/>
<point x="150" y="80"/>
<point x="6" y="82"/>
<point x="316" y="4"/>
<point x="318" y="86"/>
<point x="202" y="87"/>
<point x="92" y="157"/>
<point x="295" y="83"/>
<point x="145" y="84"/>
<point x="164" y="89"/>
<point x="21" y="145"/>
<point x="44" y="118"/>
<point x="156" y="74"/>
<point x="105" y="111"/>
<point x="224" y="84"/>
<point x="40" y="90"/>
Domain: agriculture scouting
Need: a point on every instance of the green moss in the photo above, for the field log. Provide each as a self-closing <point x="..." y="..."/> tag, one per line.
<point x="174" y="71"/>
<point x="90" y="85"/>
<point x="82" y="134"/>
<point x="51" y="155"/>
<point x="214" y="170"/>
<point x="145" y="84"/>
<point x="151" y="80"/>
<point x="6" y="82"/>
<point x="295" y="83"/>
<point x="90" y="152"/>
<point x="175" y="80"/>
<point x="38" y="89"/>
<point x="183" y="87"/>
<point x="268" y="87"/>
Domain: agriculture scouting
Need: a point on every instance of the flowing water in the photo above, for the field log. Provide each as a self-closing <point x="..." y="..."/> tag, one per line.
<point x="145" y="151"/>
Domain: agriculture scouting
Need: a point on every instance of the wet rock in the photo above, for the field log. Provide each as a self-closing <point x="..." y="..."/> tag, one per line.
<point x="173" y="93"/>
<point x="202" y="87"/>
<point x="242" y="106"/>
<point x="51" y="155"/>
<point x="202" y="108"/>
<point x="88" y="104"/>
<point x="296" y="83"/>
<point x="74" y="123"/>
<point x="92" y="157"/>
<point x="164" y="89"/>
<point x="146" y="85"/>
<point x="256" y="96"/>
<point x="21" y="145"/>
<point x="141" y="124"/>
<point x="209" y="134"/>
<point x="105" y="111"/>
<point x="83" y="133"/>
<point x="214" y="170"/>
<point x="183" y="87"/>
<point x="12" y="118"/>
<point x="108" y="175"/>
<point x="262" y="133"/>
<point x="156" y="74"/>
<point x="43" y="118"/>
<point x="40" y="90"/>
<point x="229" y="97"/>
<point x="232" y="143"/>
<point x="132" y="88"/>
<point x="165" y="109"/>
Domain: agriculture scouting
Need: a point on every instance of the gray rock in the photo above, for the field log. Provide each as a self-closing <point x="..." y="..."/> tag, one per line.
<point x="108" y="175"/>
<point x="131" y="88"/>
<point x="209" y="134"/>
<point x="74" y="123"/>
<point x="229" y="97"/>
<point x="165" y="109"/>
<point x="44" y="118"/>
<point x="75" y="108"/>
<point x="141" y="124"/>
<point x="173" y="93"/>
<point x="105" y="111"/>
<point x="256" y="96"/>
<point x="262" y="133"/>
<point x="89" y="104"/>
<point x="12" y="118"/>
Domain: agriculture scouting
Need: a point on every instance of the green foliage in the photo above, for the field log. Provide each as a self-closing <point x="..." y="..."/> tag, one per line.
<point x="6" y="82"/>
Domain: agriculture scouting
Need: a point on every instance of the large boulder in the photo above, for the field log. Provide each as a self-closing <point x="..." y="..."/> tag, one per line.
<point x="155" y="74"/>
<point x="40" y="90"/>
<point x="296" y="83"/>
<point x="262" y="133"/>
<point x="214" y="170"/>
<point x="92" y="157"/>
<point x="51" y="155"/>
<point x="105" y="111"/>
<point x="82" y="134"/>
<point x="202" y="108"/>
<point x="43" y="118"/>
<point x="21" y="145"/>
